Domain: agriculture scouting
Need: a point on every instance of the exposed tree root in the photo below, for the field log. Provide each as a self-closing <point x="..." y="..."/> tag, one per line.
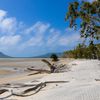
<point x="34" y="89"/>
<point x="37" y="88"/>
<point x="3" y="91"/>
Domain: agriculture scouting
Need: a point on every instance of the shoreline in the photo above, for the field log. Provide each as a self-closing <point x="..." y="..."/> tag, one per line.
<point x="16" y="69"/>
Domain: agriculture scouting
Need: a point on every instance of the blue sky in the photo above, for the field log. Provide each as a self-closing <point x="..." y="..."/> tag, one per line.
<point x="35" y="27"/>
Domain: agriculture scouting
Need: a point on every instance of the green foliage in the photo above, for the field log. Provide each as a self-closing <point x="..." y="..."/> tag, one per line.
<point x="89" y="14"/>
<point x="54" y="57"/>
<point x="83" y="51"/>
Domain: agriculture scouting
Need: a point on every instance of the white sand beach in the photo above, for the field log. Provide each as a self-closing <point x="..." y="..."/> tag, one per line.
<point x="82" y="80"/>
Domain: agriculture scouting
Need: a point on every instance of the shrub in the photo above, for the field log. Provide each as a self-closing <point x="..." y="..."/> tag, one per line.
<point x="54" y="57"/>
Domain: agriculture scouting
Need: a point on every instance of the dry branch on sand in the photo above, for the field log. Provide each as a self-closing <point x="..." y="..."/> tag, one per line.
<point x="39" y="70"/>
<point x="53" y="68"/>
<point x="97" y="79"/>
<point x="34" y="89"/>
<point x="3" y="91"/>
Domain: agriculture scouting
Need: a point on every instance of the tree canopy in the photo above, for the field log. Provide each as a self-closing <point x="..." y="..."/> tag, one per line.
<point x="89" y="14"/>
<point x="54" y="57"/>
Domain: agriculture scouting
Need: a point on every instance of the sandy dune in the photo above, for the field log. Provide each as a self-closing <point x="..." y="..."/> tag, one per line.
<point x="83" y="82"/>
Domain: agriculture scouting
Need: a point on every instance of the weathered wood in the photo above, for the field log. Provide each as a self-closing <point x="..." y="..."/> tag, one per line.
<point x="3" y="91"/>
<point x="97" y="79"/>
<point x="56" y="82"/>
<point x="51" y="66"/>
<point x="39" y="70"/>
<point x="36" y="89"/>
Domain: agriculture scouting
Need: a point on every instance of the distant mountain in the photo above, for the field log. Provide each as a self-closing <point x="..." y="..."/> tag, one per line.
<point x="48" y="55"/>
<point x="2" y="55"/>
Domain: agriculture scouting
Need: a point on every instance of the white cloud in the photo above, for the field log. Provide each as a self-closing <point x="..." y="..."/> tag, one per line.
<point x="60" y="38"/>
<point x="38" y="31"/>
<point x="2" y="14"/>
<point x="53" y="37"/>
<point x="8" y="26"/>
<point x="69" y="40"/>
<point x="9" y="40"/>
<point x="9" y="37"/>
<point x="38" y="28"/>
<point x="34" y="41"/>
<point x="16" y="36"/>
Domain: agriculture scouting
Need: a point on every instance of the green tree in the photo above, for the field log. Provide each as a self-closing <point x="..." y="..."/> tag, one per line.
<point x="83" y="51"/>
<point x="54" y="57"/>
<point x="89" y="14"/>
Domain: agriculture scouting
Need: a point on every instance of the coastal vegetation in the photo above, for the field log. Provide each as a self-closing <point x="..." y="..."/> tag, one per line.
<point x="83" y="51"/>
<point x="87" y="15"/>
<point x="54" y="57"/>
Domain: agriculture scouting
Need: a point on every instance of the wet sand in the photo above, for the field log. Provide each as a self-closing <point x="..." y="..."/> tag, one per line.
<point x="15" y="70"/>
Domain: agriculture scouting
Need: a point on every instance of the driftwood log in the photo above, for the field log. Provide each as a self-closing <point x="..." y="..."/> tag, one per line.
<point x="51" y="66"/>
<point x="39" y="70"/>
<point x="3" y="91"/>
<point x="30" y="91"/>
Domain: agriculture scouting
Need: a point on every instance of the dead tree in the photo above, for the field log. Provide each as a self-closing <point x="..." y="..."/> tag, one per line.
<point x="53" y="68"/>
